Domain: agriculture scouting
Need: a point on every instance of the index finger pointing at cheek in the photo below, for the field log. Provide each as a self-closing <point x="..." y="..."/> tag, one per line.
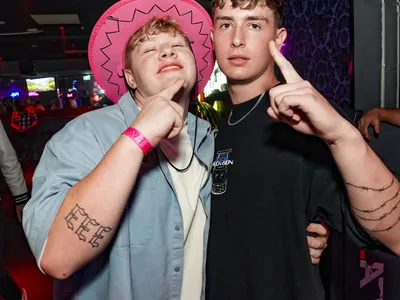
<point x="284" y="65"/>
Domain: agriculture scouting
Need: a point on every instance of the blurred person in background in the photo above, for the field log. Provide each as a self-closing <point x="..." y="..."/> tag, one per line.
<point x="14" y="177"/>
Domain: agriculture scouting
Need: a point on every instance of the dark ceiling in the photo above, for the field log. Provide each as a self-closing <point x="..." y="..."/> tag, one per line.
<point x="26" y="39"/>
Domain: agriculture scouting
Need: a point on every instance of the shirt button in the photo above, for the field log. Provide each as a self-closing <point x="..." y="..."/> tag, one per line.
<point x="177" y="228"/>
<point x="177" y="269"/>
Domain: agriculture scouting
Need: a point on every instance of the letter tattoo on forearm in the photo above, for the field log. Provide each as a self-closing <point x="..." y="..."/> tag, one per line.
<point x="85" y="226"/>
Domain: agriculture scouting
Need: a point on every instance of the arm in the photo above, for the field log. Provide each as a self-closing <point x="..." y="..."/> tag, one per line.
<point x="91" y="209"/>
<point x="372" y="188"/>
<point x="12" y="172"/>
<point x="68" y="247"/>
<point x="375" y="116"/>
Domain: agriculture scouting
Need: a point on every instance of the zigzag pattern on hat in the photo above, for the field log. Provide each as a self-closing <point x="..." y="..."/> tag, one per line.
<point x="109" y="36"/>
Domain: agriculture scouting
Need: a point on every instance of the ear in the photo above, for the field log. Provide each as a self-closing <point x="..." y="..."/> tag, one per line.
<point x="281" y="35"/>
<point x="130" y="79"/>
<point x="212" y="36"/>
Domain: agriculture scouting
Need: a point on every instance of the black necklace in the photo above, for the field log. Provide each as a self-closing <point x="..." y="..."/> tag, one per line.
<point x="191" y="158"/>
<point x="194" y="144"/>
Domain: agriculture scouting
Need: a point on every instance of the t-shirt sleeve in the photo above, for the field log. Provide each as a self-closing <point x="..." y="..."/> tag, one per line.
<point x="67" y="158"/>
<point x="327" y="198"/>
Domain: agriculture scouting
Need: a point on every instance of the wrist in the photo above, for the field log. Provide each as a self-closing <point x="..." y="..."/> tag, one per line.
<point x="382" y="114"/>
<point x="139" y="139"/>
<point x="350" y="138"/>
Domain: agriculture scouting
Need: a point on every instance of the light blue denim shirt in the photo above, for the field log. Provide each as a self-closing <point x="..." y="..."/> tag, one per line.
<point x="145" y="259"/>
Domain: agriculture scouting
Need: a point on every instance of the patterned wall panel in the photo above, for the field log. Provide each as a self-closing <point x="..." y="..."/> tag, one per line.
<point x="319" y="45"/>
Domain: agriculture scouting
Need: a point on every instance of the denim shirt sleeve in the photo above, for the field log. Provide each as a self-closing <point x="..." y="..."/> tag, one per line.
<point x="67" y="158"/>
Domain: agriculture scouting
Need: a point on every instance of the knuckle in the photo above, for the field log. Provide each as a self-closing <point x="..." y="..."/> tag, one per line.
<point x="307" y="84"/>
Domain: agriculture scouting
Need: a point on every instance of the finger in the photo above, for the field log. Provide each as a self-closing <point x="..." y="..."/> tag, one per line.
<point x="377" y="124"/>
<point x="316" y="253"/>
<point x="316" y="243"/>
<point x="360" y="125"/>
<point x="317" y="228"/>
<point x="315" y="261"/>
<point x="272" y="114"/>
<point x="283" y="88"/>
<point x="178" y="119"/>
<point x="284" y="65"/>
<point x="365" y="129"/>
<point x="274" y="109"/>
<point x="288" y="111"/>
<point x="170" y="91"/>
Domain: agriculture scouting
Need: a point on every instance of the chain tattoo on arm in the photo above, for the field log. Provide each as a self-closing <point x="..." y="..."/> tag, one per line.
<point x="86" y="226"/>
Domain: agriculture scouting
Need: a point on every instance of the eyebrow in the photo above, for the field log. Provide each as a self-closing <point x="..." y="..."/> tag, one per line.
<point x="248" y="18"/>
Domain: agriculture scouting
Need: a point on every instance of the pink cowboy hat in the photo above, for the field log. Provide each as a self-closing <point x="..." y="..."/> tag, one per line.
<point x="115" y="27"/>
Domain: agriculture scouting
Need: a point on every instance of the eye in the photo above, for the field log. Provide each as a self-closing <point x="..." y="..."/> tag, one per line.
<point x="255" y="26"/>
<point x="225" y="25"/>
<point x="149" y="50"/>
<point x="177" y="45"/>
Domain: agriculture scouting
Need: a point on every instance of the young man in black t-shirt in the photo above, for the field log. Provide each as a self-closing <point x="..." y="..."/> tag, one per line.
<point x="272" y="178"/>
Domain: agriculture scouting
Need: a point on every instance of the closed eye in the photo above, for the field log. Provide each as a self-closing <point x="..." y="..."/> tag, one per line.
<point x="149" y="50"/>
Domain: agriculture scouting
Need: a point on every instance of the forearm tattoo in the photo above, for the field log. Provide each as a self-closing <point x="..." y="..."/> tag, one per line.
<point x="380" y="207"/>
<point x="367" y="188"/>
<point x="381" y="217"/>
<point x="85" y="226"/>
<point x="368" y="211"/>
<point x="384" y="229"/>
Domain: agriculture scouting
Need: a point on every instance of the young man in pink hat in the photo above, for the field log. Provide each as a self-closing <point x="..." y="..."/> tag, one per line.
<point x="121" y="198"/>
<point x="274" y="169"/>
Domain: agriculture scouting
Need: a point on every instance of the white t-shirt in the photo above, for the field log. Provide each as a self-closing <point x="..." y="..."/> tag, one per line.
<point x="187" y="186"/>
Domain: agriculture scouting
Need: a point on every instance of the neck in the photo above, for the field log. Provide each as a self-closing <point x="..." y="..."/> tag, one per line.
<point x="182" y="99"/>
<point x="243" y="91"/>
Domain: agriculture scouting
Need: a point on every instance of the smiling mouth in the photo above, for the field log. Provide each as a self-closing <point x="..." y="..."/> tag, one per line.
<point x="170" y="68"/>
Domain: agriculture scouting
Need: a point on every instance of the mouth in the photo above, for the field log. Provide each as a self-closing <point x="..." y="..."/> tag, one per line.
<point x="170" y="67"/>
<point x="238" y="58"/>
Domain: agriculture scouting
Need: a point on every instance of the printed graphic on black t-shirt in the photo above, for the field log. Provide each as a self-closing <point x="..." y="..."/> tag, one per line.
<point x="220" y="171"/>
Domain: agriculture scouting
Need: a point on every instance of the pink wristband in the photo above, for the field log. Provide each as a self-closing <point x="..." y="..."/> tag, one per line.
<point x="139" y="139"/>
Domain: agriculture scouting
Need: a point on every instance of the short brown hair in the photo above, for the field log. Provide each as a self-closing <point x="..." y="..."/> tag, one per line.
<point x="275" y="5"/>
<point x="153" y="27"/>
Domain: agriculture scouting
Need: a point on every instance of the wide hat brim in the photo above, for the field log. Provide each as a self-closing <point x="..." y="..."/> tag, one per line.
<point x="116" y="26"/>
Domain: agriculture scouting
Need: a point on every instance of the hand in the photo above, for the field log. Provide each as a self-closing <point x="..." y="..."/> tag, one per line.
<point x="300" y="105"/>
<point x="161" y="117"/>
<point x="371" y="117"/>
<point x="19" y="209"/>
<point x="317" y="244"/>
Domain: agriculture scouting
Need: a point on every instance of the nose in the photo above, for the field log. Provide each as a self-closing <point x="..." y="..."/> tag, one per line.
<point x="167" y="52"/>
<point x="238" y="38"/>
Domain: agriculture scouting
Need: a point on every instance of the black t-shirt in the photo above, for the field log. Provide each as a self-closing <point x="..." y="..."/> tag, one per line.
<point x="269" y="183"/>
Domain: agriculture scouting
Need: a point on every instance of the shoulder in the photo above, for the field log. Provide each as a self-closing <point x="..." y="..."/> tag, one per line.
<point x="95" y="126"/>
